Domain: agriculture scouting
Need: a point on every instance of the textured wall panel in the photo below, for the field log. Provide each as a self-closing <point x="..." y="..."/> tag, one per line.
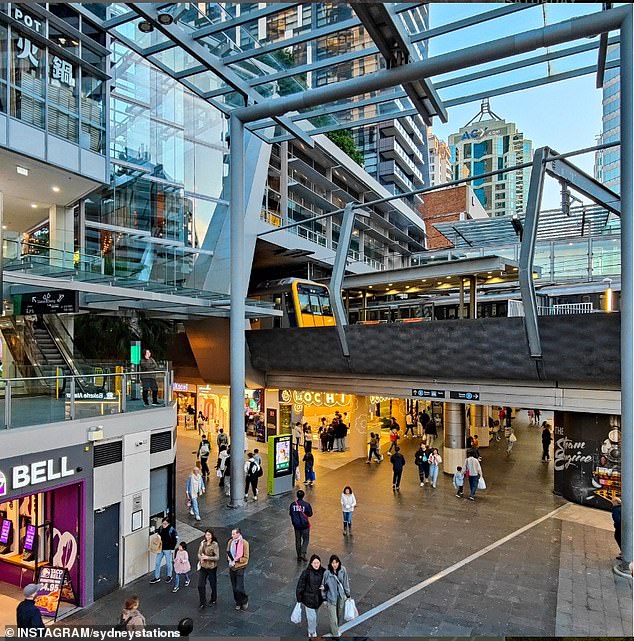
<point x="580" y="348"/>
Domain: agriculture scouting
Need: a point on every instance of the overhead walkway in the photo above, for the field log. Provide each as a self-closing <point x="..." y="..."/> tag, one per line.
<point x="579" y="371"/>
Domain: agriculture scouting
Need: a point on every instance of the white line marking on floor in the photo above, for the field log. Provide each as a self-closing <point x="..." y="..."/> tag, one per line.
<point x="452" y="568"/>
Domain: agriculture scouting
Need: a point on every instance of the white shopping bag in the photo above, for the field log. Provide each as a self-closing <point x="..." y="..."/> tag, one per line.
<point x="481" y="484"/>
<point x="350" y="610"/>
<point x="296" y="614"/>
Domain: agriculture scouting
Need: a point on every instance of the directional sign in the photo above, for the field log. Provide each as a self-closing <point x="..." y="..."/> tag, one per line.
<point x="428" y="393"/>
<point x="465" y="396"/>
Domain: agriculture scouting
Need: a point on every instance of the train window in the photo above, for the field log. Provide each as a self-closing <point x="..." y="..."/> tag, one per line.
<point x="326" y="308"/>
<point x="304" y="302"/>
<point x="315" y="307"/>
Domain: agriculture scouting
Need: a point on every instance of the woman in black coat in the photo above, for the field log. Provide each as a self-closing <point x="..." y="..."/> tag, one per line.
<point x="309" y="592"/>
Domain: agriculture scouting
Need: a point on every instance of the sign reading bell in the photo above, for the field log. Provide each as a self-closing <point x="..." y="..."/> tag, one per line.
<point x="24" y="476"/>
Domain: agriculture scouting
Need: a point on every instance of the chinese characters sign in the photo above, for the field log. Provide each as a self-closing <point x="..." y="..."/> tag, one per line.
<point x="62" y="71"/>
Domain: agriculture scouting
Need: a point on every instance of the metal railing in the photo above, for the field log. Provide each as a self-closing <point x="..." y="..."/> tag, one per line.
<point x="32" y="401"/>
<point x="516" y="309"/>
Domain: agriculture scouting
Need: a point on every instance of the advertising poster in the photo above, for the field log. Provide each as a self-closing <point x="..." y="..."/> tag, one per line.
<point x="29" y="538"/>
<point x="286" y="412"/>
<point x="51" y="581"/>
<point x="271" y="421"/>
<point x="282" y="456"/>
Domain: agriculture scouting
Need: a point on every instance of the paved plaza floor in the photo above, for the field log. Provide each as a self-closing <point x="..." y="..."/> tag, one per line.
<point x="517" y="561"/>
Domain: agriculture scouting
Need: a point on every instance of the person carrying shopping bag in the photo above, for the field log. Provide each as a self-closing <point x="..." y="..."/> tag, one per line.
<point x="308" y="592"/>
<point x="336" y="590"/>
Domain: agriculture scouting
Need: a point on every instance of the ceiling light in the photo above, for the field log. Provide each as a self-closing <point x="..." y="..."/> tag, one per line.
<point x="369" y="286"/>
<point x="439" y="282"/>
<point x="33" y="205"/>
<point x="55" y="188"/>
<point x="145" y="26"/>
<point x="4" y="226"/>
<point x="424" y="280"/>
<point x="165" y="18"/>
<point x="389" y="284"/>
<point x="23" y="171"/>
<point x="489" y="272"/>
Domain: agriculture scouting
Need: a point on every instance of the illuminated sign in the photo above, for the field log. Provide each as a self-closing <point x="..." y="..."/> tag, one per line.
<point x="282" y="450"/>
<point x="5" y="532"/>
<point x="481" y="132"/>
<point x="3" y="484"/>
<point x="29" y="537"/>
<point x="316" y="399"/>
<point x="428" y="393"/>
<point x="40" y="472"/>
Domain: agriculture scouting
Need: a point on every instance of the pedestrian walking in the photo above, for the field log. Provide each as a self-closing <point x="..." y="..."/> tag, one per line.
<point x="538" y="415"/>
<point x="348" y="503"/>
<point x="336" y="589"/>
<point x="373" y="449"/>
<point x="307" y="433"/>
<point x="222" y="440"/>
<point x="473" y="470"/>
<point x="221" y="465"/>
<point x="204" y="450"/>
<point x="458" y="481"/>
<point x="308" y="592"/>
<point x="257" y="457"/>
<point x="300" y="511"/>
<point x="510" y="441"/>
<point x="297" y="434"/>
<point x="295" y="464"/>
<point x="131" y="619"/>
<point x="398" y="463"/>
<point x="409" y="425"/>
<point x="201" y="423"/>
<point x="421" y="462"/>
<point x="616" y="519"/>
<point x="531" y="417"/>
<point x="309" y="465"/>
<point x="394" y="436"/>
<point x="182" y="566"/>
<point x="227" y="473"/>
<point x="28" y="615"/>
<point x="434" y="461"/>
<point x="168" y="537"/>
<point x="195" y="489"/>
<point x="252" y="472"/>
<point x="238" y="558"/>
<point x="148" y="368"/>
<point x="208" y="557"/>
<point x="547" y="438"/>
<point x="431" y="432"/>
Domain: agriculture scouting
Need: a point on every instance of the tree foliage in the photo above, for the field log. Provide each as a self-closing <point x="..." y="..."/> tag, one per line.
<point x="344" y="139"/>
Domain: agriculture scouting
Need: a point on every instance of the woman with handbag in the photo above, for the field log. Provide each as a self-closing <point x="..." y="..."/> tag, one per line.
<point x="336" y="590"/>
<point x="308" y="592"/>
<point x="208" y="556"/>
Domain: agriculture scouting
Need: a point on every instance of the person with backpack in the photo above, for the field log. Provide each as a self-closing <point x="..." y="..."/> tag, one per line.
<point x="300" y="511"/>
<point x="131" y="619"/>
<point x="421" y="462"/>
<point x="204" y="450"/>
<point x="252" y="472"/>
<point x="221" y="464"/>
<point x="374" y="449"/>
<point x="336" y="589"/>
<point x="222" y="439"/>
<point x="309" y="465"/>
<point x="168" y="536"/>
<point x="195" y="489"/>
<point x="208" y="557"/>
<point x="308" y="592"/>
<point x="398" y="463"/>
<point x="182" y="566"/>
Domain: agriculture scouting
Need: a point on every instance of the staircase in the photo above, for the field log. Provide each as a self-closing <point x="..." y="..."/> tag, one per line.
<point x="50" y="351"/>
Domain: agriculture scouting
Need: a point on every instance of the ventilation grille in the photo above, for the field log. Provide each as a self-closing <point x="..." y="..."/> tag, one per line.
<point x="160" y="442"/>
<point x="108" y="453"/>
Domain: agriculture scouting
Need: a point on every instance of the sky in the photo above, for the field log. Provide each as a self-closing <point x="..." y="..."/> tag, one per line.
<point x="564" y="115"/>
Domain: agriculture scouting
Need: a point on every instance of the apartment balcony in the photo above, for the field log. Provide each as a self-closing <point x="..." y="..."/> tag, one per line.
<point x="394" y="129"/>
<point x="389" y="171"/>
<point x="389" y="148"/>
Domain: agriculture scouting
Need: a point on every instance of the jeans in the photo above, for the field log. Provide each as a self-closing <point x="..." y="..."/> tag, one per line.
<point x="149" y="384"/>
<point x="311" y="619"/>
<point x="167" y="554"/>
<point x="194" y="508"/>
<point x="374" y="452"/>
<point x="433" y="472"/>
<point x="347" y="518"/>
<point x="392" y="447"/>
<point x="237" y="585"/>
<point x="335" y="615"/>
<point x="207" y="575"/>
<point x="177" y="579"/>
<point x="396" y="477"/>
<point x="473" y="484"/>
<point x="302" y="537"/>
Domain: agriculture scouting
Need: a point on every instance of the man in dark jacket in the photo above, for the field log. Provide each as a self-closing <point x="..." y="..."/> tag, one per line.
<point x="299" y="511"/>
<point x="168" y="545"/>
<point x="546" y="441"/>
<point x="148" y="378"/>
<point x="28" y="616"/>
<point x="398" y="462"/>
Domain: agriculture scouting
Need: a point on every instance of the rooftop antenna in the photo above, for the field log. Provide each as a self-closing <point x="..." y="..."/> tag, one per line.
<point x="485" y="111"/>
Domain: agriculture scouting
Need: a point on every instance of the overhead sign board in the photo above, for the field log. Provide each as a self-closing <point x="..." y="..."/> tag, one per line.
<point x="465" y="396"/>
<point x="59" y="301"/>
<point x="428" y="393"/>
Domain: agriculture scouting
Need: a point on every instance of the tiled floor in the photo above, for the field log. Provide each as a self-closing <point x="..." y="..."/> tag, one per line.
<point x="401" y="539"/>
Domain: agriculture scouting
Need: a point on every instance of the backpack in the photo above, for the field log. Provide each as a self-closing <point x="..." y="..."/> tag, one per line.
<point x="205" y="449"/>
<point x="122" y="624"/>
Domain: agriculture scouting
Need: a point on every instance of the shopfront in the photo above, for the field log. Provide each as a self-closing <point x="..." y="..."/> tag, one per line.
<point x="45" y="499"/>
<point x="186" y="404"/>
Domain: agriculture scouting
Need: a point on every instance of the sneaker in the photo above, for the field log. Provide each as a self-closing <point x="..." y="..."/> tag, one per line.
<point x="255" y="498"/>
<point x="368" y="462"/>
<point x="198" y="518"/>
<point x="191" y="512"/>
<point x="155" y="580"/>
<point x="422" y="484"/>
<point x="312" y="483"/>
<point x="472" y="498"/>
<point x="305" y="482"/>
<point x="433" y="485"/>
<point x="212" y="603"/>
<point x="175" y="589"/>
<point x="168" y="580"/>
<point x="187" y="581"/>
<point x="245" y="606"/>
<point x="146" y="404"/>
<point x="238" y="607"/>
<point x="157" y="403"/>
<point x="246" y="496"/>
<point x="393" y="487"/>
<point x="398" y="487"/>
<point x="201" y="606"/>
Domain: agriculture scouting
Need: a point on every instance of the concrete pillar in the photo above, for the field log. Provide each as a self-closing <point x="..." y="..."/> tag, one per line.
<point x="461" y="300"/>
<point x="473" y="297"/>
<point x="455" y="437"/>
<point x="61" y="235"/>
<point x="357" y="441"/>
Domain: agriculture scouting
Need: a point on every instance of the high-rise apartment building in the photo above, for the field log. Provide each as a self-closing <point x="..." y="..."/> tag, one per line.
<point x="440" y="170"/>
<point x="607" y="165"/>
<point x="488" y="143"/>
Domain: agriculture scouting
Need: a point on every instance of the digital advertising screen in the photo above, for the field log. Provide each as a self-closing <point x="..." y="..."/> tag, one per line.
<point x="282" y="455"/>
<point x="5" y="531"/>
<point x="29" y="538"/>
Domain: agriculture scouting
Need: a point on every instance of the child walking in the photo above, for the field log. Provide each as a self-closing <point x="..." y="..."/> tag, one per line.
<point x="458" y="481"/>
<point x="182" y="566"/>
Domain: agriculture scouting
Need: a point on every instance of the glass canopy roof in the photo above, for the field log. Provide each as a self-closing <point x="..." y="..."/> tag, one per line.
<point x="235" y="54"/>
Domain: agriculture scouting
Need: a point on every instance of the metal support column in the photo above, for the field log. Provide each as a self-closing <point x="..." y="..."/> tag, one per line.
<point x="473" y="297"/>
<point x="627" y="286"/>
<point x="527" y="252"/>
<point x="461" y="301"/>
<point x="237" y="313"/>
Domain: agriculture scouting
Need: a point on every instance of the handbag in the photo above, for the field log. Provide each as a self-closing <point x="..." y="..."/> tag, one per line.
<point x="481" y="484"/>
<point x="219" y="473"/>
<point x="512" y="438"/>
<point x="296" y="614"/>
<point x="350" y="611"/>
